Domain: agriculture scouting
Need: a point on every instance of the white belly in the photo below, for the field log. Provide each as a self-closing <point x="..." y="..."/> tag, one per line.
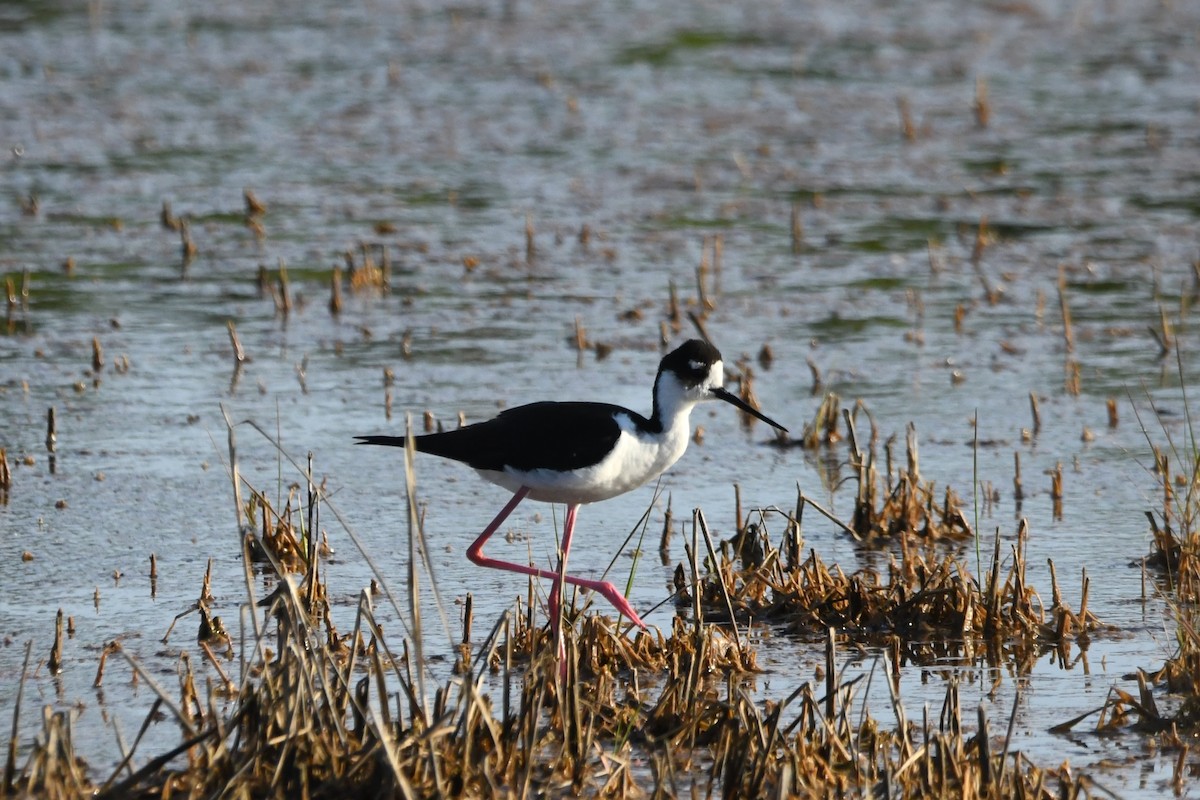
<point x="635" y="461"/>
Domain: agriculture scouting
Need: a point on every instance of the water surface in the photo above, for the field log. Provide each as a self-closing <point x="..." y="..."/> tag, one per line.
<point x="441" y="134"/>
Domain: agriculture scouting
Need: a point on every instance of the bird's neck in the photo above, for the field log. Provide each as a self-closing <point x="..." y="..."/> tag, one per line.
<point x="672" y="406"/>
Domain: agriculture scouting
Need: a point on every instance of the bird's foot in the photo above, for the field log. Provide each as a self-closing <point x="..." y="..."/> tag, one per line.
<point x="606" y="590"/>
<point x="614" y="596"/>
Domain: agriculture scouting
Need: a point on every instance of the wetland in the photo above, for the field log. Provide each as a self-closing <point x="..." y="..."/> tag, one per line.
<point x="952" y="247"/>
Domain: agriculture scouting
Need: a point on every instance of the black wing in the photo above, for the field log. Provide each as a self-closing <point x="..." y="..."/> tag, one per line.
<point x="559" y="436"/>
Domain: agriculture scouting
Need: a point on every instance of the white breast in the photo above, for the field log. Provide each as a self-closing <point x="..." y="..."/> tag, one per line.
<point x="637" y="459"/>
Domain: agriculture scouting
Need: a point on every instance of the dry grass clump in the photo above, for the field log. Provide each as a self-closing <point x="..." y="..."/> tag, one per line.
<point x="319" y="721"/>
<point x="907" y="505"/>
<point x="315" y="720"/>
<point x="823" y="430"/>
<point x="53" y="769"/>
<point x="318" y="715"/>
<point x="282" y="536"/>
<point x="314" y="713"/>
<point x="5" y="477"/>
<point x="889" y="503"/>
<point x="931" y="603"/>
<point x="1175" y="551"/>
<point x="816" y="747"/>
<point x="367" y="274"/>
<point x="1175" y="560"/>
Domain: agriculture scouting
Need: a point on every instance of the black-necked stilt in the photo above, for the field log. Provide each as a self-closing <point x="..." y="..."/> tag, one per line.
<point x="576" y="453"/>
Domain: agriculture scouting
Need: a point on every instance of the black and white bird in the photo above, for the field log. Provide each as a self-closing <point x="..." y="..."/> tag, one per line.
<point x="579" y="452"/>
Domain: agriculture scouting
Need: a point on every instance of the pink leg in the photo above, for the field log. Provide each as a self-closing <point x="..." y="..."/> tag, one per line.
<point x="556" y="591"/>
<point x="604" y="588"/>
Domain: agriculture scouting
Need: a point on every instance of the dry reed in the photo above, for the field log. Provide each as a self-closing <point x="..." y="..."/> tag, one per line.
<point x="317" y="712"/>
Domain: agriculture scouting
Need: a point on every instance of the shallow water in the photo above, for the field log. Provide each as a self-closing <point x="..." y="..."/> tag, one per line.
<point x="439" y="133"/>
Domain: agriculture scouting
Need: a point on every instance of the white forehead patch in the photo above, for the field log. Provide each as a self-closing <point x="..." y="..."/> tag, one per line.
<point x="715" y="376"/>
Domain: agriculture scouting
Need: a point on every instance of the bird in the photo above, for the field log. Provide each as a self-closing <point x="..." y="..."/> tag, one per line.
<point x="577" y="453"/>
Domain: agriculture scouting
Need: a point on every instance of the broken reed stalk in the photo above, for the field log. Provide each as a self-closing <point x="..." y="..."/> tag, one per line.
<point x="664" y="543"/>
<point x="794" y="532"/>
<point x="55" y="662"/>
<point x="417" y="548"/>
<point x="1068" y="333"/>
<point x="284" y="298"/>
<point x="254" y="206"/>
<point x="97" y="355"/>
<point x="10" y="759"/>
<point x="815" y="371"/>
<point x="1018" y="489"/>
<point x="1162" y="334"/>
<point x="974" y="488"/>
<point x="581" y="340"/>
<point x="823" y="430"/>
<point x="187" y="246"/>
<point x="1073" y="377"/>
<point x="698" y="324"/>
<point x="712" y="554"/>
<point x="1008" y="736"/>
<point x="1056" y="486"/>
<point x="184" y="719"/>
<point x="335" y="291"/>
<point x="312" y="577"/>
<point x="981" y="107"/>
<point x="468" y="618"/>
<point x="830" y="675"/>
<point x="239" y="354"/>
<point x="674" y="316"/>
<point x="985" y="753"/>
<point x="797" y="229"/>
<point x="907" y="127"/>
<point x="385" y="269"/>
<point x="109" y="649"/>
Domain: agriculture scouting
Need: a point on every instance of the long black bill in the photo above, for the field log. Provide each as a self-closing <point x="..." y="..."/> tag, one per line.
<point x="733" y="399"/>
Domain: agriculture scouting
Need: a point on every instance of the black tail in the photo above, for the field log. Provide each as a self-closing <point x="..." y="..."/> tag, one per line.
<point x="390" y="441"/>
